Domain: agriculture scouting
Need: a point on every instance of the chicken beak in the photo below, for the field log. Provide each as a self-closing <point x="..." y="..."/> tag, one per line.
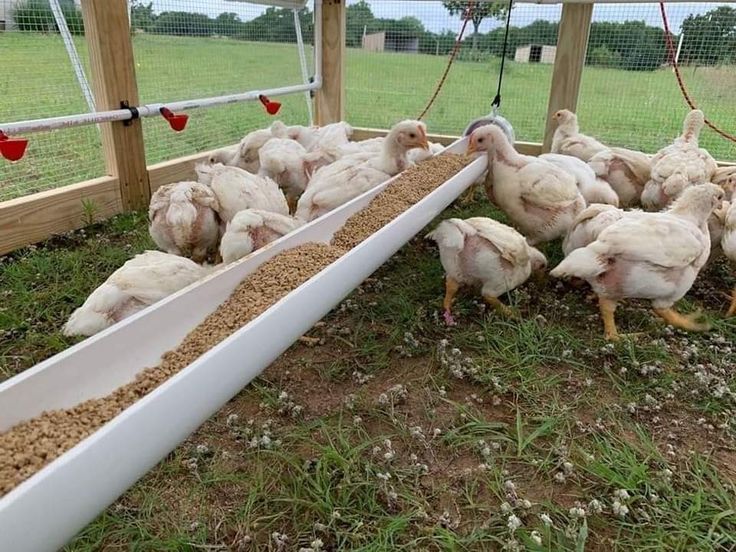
<point x="472" y="148"/>
<point x="424" y="143"/>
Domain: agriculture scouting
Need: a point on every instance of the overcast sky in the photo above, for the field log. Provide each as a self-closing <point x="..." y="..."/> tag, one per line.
<point x="435" y="18"/>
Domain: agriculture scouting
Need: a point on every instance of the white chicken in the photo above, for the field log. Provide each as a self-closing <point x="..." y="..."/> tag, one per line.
<point x="311" y="138"/>
<point x="592" y="188"/>
<point x="654" y="256"/>
<point x="184" y="219"/>
<point x="284" y="161"/>
<point x="588" y="225"/>
<point x="246" y="157"/>
<point x="226" y="156"/>
<point x="541" y="199"/>
<point x="251" y="229"/>
<point x="678" y="166"/>
<point x="237" y="189"/>
<point x="140" y="282"/>
<point x="725" y="177"/>
<point x="626" y="171"/>
<point x="417" y="155"/>
<point x="728" y="245"/>
<point x="484" y="253"/>
<point x="347" y="178"/>
<point x="568" y="140"/>
<point x="716" y="228"/>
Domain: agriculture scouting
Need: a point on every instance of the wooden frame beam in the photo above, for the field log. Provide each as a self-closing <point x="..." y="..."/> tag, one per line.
<point x="36" y="217"/>
<point x="572" y="44"/>
<point x="107" y="31"/>
<point x="330" y="99"/>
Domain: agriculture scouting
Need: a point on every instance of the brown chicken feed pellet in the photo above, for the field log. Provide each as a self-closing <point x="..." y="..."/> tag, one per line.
<point x="30" y="445"/>
<point x="409" y="188"/>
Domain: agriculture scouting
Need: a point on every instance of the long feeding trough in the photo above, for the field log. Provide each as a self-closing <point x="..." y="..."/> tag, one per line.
<point x="70" y="491"/>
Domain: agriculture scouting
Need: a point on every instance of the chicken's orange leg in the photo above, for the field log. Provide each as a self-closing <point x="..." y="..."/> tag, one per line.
<point x="732" y="308"/>
<point x="683" y="321"/>
<point x="608" y="308"/>
<point x="500" y="307"/>
<point x="451" y="287"/>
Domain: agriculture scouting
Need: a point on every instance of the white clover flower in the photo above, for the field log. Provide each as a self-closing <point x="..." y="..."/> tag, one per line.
<point x="357" y="420"/>
<point x="576" y="512"/>
<point x="595" y="506"/>
<point x="506" y="508"/>
<point x="560" y="477"/>
<point x="231" y="420"/>
<point x="536" y="538"/>
<point x="623" y="494"/>
<point x="513" y="523"/>
<point x="202" y="449"/>
<point x="436" y="432"/>
<point x="509" y="486"/>
<point x="620" y="509"/>
<point x="383" y="476"/>
<point x="545" y="519"/>
<point x="388" y="456"/>
<point x="567" y="467"/>
<point x="526" y="504"/>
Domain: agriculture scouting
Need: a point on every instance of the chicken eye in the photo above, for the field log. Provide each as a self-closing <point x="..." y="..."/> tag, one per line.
<point x="480" y="140"/>
<point x="412" y="135"/>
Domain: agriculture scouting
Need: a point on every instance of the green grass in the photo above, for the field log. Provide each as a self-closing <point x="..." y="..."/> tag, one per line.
<point x="636" y="109"/>
<point x="540" y="399"/>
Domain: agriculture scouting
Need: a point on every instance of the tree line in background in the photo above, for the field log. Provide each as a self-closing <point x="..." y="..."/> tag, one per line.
<point x="709" y="39"/>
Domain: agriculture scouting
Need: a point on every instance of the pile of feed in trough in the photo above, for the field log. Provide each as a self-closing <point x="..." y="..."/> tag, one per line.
<point x="409" y="188"/>
<point x="30" y="445"/>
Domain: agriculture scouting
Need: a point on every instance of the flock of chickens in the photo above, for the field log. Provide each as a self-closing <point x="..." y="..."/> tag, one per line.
<point x="279" y="178"/>
<point x="271" y="183"/>
<point x="577" y="194"/>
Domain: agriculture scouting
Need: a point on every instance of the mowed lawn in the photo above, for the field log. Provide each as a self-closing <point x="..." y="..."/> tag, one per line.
<point x="634" y="109"/>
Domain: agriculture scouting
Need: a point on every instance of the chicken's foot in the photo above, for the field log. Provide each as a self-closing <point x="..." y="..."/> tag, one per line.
<point x="684" y="321"/>
<point x="500" y="307"/>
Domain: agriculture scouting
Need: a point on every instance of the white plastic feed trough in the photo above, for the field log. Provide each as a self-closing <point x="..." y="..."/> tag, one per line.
<point x="49" y="508"/>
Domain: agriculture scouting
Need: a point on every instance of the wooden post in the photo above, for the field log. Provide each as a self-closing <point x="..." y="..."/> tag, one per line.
<point x="572" y="44"/>
<point x="330" y="100"/>
<point x="107" y="29"/>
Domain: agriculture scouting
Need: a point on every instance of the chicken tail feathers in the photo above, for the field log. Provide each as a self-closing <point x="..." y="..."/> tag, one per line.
<point x="582" y="263"/>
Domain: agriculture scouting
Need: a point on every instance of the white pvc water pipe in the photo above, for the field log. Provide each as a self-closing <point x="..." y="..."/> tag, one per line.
<point x="153" y="110"/>
<point x="71" y="51"/>
<point x="48" y="509"/>
<point x="149" y="110"/>
<point x="303" y="63"/>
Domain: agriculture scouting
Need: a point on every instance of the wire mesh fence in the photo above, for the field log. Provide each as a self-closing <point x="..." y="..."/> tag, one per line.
<point x="183" y="49"/>
<point x="187" y="49"/>
<point x="629" y="94"/>
<point x="397" y="51"/>
<point x="38" y="80"/>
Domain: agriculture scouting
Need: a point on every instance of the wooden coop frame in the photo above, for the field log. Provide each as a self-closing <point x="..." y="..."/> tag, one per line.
<point x="130" y="181"/>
